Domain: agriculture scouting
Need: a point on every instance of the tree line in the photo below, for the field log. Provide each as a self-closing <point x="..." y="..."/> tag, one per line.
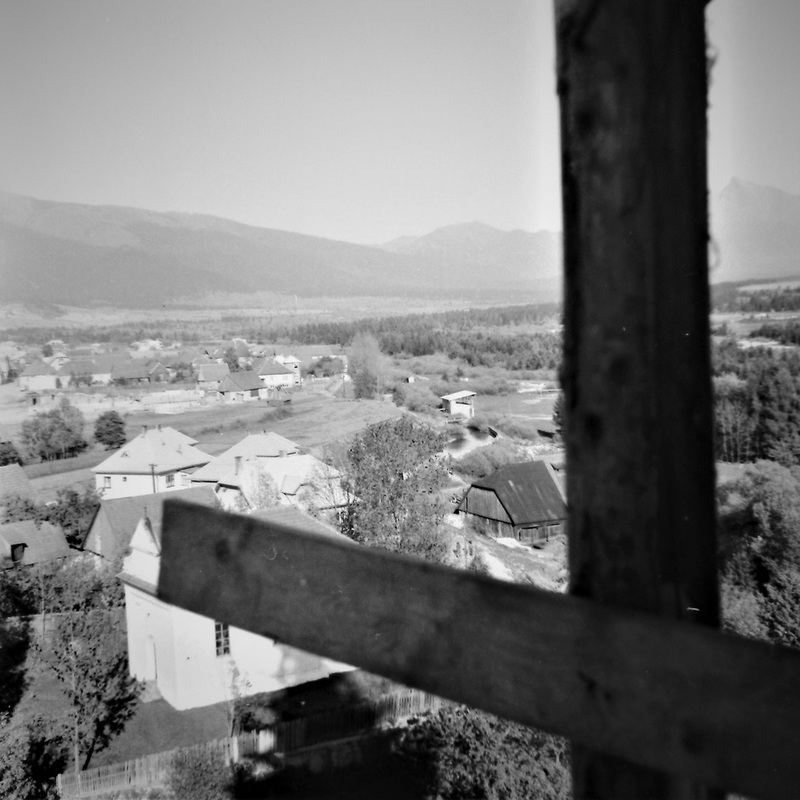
<point x="733" y="297"/>
<point x="757" y="404"/>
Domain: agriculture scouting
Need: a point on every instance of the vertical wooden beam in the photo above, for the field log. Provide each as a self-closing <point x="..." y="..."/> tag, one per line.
<point x="632" y="84"/>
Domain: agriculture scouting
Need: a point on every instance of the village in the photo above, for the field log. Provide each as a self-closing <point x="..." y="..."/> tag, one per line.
<point x="247" y="430"/>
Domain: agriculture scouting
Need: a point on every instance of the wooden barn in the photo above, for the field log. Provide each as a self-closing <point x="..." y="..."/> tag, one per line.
<point x="519" y="501"/>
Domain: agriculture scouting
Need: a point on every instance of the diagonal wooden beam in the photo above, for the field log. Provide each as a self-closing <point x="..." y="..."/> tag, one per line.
<point x="664" y="694"/>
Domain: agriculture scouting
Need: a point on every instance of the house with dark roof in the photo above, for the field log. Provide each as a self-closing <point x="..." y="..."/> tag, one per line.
<point x="194" y="660"/>
<point x="242" y="386"/>
<point x="211" y="374"/>
<point x="519" y="501"/>
<point x="25" y="543"/>
<point x="159" y="459"/>
<point x="115" y="520"/>
<point x="38" y="377"/>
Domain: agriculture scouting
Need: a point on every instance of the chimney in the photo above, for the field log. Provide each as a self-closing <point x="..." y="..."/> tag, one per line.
<point x="144" y="429"/>
<point x="159" y="426"/>
<point x="237" y="464"/>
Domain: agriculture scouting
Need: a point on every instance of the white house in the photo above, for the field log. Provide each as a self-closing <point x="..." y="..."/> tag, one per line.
<point x="38" y="377"/>
<point x="300" y="478"/>
<point x="160" y="459"/>
<point x="274" y="375"/>
<point x="197" y="661"/>
<point x="292" y="363"/>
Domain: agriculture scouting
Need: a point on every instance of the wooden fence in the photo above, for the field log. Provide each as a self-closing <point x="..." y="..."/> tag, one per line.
<point x="284" y="738"/>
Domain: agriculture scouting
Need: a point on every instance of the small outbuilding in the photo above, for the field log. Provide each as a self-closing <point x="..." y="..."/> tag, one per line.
<point x="519" y="501"/>
<point x="25" y="543"/>
<point x="459" y="404"/>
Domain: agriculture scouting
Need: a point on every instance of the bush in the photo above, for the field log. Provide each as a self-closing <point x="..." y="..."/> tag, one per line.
<point x="416" y="398"/>
<point x="485" y="460"/>
<point x="109" y="430"/>
<point x="199" y="774"/>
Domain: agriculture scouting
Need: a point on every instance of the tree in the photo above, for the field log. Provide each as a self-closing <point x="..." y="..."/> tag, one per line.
<point x="54" y="434"/>
<point x="32" y="754"/>
<point x="88" y="655"/>
<point x="47" y="350"/>
<point x="9" y="454"/>
<point x="231" y="359"/>
<point x="366" y="365"/>
<point x="463" y="753"/>
<point x="109" y="430"/>
<point x="393" y="475"/>
<point x="559" y="415"/>
<point x="759" y="525"/>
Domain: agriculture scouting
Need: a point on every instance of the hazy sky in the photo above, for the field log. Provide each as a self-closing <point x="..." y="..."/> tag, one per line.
<point x="353" y="119"/>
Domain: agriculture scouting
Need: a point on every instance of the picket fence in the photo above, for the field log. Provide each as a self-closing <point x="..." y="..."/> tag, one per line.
<point x="285" y="738"/>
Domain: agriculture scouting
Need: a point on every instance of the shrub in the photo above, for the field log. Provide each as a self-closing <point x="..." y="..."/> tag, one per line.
<point x="485" y="460"/>
<point x="199" y="774"/>
<point x="416" y="398"/>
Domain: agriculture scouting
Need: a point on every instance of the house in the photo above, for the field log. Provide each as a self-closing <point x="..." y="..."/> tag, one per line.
<point x="130" y="372"/>
<point x="115" y="520"/>
<point x="197" y="661"/>
<point x="14" y="481"/>
<point x="291" y="363"/>
<point x="300" y="478"/>
<point x="158" y="460"/>
<point x="274" y="374"/>
<point x="210" y="375"/>
<point x="459" y="404"/>
<point x="158" y="373"/>
<point x="26" y="543"/>
<point x="38" y="377"/>
<point x="242" y="386"/>
<point x="519" y="501"/>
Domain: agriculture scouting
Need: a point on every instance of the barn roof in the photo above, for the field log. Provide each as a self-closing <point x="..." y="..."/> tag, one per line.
<point x="527" y="491"/>
<point x="43" y="543"/>
<point x="270" y="367"/>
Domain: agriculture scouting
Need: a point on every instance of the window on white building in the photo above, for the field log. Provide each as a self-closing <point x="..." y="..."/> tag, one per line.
<point x="106" y="481"/>
<point x="222" y="638"/>
<point x="170" y="481"/>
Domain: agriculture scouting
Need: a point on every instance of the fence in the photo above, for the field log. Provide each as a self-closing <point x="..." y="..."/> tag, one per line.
<point x="284" y="737"/>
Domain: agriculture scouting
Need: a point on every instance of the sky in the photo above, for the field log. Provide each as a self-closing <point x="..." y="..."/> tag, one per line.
<point x="360" y="120"/>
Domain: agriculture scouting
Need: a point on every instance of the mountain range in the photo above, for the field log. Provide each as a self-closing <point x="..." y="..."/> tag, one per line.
<point x="106" y="255"/>
<point x="81" y="255"/>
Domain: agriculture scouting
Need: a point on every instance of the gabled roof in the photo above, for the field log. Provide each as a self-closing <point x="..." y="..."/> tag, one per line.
<point x="212" y="371"/>
<point x="290" y="473"/>
<point x="527" y="491"/>
<point x="258" y="445"/>
<point x="129" y="370"/>
<point x="244" y="381"/>
<point x="14" y="481"/>
<point x="158" y="450"/>
<point x="462" y="395"/>
<point x="152" y="506"/>
<point x="35" y="368"/>
<point x="44" y="543"/>
<point x="292" y="517"/>
<point x="270" y="367"/>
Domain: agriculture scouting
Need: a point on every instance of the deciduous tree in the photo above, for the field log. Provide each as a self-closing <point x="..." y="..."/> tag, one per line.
<point x="88" y="655"/>
<point x="9" y="454"/>
<point x="109" y="430"/>
<point x="463" y="753"/>
<point x="365" y="365"/>
<point x="393" y="474"/>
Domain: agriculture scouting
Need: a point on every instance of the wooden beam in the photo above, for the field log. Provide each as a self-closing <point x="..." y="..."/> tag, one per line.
<point x="640" y="479"/>
<point x="660" y="693"/>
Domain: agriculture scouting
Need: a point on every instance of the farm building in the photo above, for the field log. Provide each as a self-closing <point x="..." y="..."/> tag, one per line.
<point x="27" y="543"/>
<point x="459" y="404"/>
<point x="240" y="386"/>
<point x="519" y="501"/>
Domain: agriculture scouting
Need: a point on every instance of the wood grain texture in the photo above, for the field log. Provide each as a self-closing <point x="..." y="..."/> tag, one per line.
<point x="640" y="481"/>
<point x="664" y="694"/>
